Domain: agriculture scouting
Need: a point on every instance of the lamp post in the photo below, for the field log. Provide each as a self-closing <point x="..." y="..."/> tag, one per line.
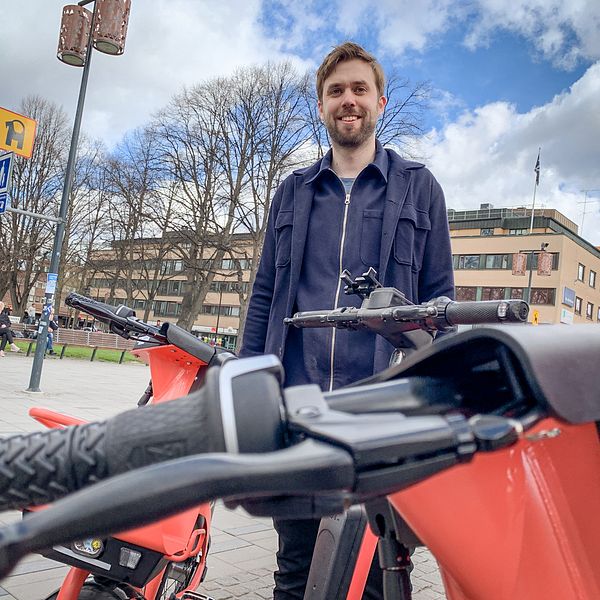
<point x="219" y="313"/>
<point x="104" y="28"/>
<point x="531" y="254"/>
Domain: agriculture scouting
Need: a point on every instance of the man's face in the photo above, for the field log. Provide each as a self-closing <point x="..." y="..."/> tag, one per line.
<point x="351" y="104"/>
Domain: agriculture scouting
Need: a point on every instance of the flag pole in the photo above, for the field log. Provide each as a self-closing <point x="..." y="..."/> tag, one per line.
<point x="537" y="182"/>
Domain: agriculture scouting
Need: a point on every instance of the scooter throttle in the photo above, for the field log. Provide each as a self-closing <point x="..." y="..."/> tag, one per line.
<point x="490" y="311"/>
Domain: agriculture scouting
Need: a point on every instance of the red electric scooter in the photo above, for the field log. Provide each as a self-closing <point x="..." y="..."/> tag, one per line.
<point x="166" y="559"/>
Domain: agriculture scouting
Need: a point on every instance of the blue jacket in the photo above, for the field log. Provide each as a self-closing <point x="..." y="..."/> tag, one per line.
<point x="415" y="254"/>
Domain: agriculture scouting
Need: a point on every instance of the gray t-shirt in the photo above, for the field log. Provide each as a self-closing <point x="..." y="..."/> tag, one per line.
<point x="348" y="182"/>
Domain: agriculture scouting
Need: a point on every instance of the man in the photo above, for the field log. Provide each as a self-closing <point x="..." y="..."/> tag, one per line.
<point x="360" y="206"/>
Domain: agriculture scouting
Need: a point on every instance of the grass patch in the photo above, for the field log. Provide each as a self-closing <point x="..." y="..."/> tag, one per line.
<point x="84" y="352"/>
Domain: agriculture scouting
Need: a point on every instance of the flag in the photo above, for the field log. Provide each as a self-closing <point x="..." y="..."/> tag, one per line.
<point x="537" y="169"/>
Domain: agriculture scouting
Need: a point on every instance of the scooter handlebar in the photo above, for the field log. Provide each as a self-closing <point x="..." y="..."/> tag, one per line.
<point x="488" y="311"/>
<point x="121" y="319"/>
<point x="41" y="467"/>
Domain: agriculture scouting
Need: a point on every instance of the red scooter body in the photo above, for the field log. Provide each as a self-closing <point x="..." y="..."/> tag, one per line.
<point x="173" y="372"/>
<point x="520" y="523"/>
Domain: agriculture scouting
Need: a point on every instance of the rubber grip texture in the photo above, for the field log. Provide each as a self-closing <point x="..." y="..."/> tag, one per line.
<point x="473" y="313"/>
<point x="43" y="466"/>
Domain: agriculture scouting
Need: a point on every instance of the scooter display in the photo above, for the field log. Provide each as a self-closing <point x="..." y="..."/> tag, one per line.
<point x="485" y="444"/>
<point x="165" y="559"/>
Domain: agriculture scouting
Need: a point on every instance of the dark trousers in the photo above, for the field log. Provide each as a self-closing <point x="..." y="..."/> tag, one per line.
<point x="7" y="336"/>
<point x="296" y="544"/>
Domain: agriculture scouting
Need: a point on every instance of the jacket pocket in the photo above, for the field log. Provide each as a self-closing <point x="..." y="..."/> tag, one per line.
<point x="370" y="241"/>
<point x="283" y="237"/>
<point x="411" y="236"/>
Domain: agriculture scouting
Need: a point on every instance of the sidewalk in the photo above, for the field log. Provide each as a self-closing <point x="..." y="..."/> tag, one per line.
<point x="242" y="554"/>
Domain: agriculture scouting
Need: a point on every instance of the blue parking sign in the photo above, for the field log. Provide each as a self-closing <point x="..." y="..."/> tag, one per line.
<point x="6" y="161"/>
<point x="3" y="201"/>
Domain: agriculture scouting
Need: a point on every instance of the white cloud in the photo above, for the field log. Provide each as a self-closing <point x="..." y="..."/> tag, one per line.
<point x="561" y="31"/>
<point x="488" y="154"/>
<point x="169" y="43"/>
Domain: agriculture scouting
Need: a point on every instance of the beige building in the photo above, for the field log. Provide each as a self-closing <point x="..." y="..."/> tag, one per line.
<point x="485" y="241"/>
<point x="219" y="316"/>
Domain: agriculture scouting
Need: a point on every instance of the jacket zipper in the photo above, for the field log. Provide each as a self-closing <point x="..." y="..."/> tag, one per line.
<point x="339" y="286"/>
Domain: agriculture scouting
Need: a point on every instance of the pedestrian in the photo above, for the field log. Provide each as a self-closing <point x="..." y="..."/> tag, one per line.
<point x="360" y="206"/>
<point x="52" y="327"/>
<point x="5" y="331"/>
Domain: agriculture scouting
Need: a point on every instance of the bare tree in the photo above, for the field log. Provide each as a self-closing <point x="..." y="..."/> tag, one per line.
<point x="401" y="123"/>
<point x="85" y="219"/>
<point x="25" y="241"/>
<point x="280" y="134"/>
<point x="132" y="176"/>
<point x="207" y="141"/>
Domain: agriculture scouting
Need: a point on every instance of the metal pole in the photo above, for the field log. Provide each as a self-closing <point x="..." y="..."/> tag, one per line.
<point x="534" y="190"/>
<point x="218" y="313"/>
<point x="531" y="254"/>
<point x="532" y="209"/>
<point x="528" y="295"/>
<point x="40" y="348"/>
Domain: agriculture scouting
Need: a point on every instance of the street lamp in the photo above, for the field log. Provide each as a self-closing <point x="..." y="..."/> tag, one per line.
<point x="531" y="254"/>
<point x="104" y="28"/>
<point x="219" y="311"/>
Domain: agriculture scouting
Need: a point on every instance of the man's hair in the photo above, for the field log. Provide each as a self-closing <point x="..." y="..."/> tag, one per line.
<point x="342" y="53"/>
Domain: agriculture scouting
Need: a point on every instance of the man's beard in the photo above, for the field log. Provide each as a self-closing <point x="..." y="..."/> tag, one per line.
<point x="352" y="139"/>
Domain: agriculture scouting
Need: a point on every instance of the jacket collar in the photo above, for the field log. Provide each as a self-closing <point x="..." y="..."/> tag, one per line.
<point x="380" y="164"/>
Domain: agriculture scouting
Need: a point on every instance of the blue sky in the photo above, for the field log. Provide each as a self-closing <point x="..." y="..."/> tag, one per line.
<point x="508" y="77"/>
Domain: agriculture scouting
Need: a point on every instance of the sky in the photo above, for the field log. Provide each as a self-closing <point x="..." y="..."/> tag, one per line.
<point x="508" y="78"/>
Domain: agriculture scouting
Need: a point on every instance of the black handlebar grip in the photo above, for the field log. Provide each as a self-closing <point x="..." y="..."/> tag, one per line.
<point x="44" y="466"/>
<point x="102" y="311"/>
<point x="488" y="311"/>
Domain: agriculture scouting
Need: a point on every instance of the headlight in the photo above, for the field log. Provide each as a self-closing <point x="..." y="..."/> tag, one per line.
<point x="89" y="547"/>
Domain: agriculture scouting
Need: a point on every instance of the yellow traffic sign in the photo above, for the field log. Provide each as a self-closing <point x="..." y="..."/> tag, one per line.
<point x="16" y="133"/>
<point x="535" y="318"/>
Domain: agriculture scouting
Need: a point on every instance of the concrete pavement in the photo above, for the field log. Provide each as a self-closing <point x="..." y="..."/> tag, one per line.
<point x="242" y="555"/>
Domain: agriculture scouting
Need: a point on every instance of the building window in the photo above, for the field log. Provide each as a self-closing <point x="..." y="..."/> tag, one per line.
<point x="468" y="261"/>
<point x="516" y="293"/>
<point x="580" y="272"/>
<point x="589" y="311"/>
<point x="492" y="293"/>
<point x="598" y="314"/>
<point x="498" y="261"/>
<point x="592" y="279"/>
<point x="578" y="303"/>
<point x="466" y="293"/>
<point x="487" y="231"/>
<point x="543" y="296"/>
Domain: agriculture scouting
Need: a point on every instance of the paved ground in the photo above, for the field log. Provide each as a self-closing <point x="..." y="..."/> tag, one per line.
<point x="242" y="556"/>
